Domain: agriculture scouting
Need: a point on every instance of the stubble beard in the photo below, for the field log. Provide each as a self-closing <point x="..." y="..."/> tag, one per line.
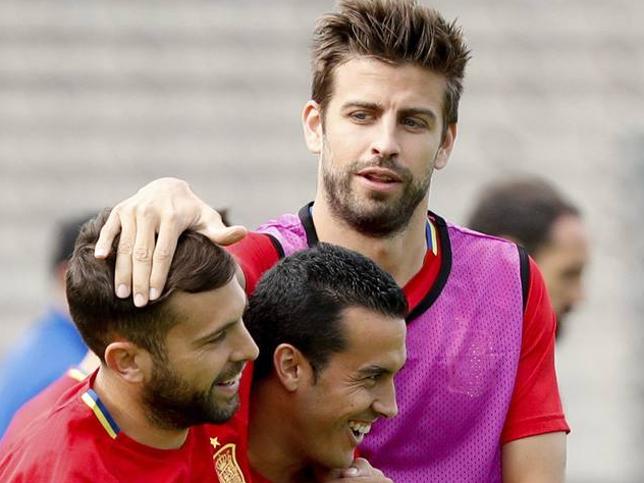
<point x="377" y="216"/>
<point x="173" y="403"/>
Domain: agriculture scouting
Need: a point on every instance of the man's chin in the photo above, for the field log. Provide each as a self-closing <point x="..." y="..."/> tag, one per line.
<point x="563" y="314"/>
<point x="224" y="410"/>
<point x="377" y="224"/>
<point x="340" y="463"/>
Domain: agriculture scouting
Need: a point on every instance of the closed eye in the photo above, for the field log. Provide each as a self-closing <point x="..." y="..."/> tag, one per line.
<point x="218" y="337"/>
<point x="373" y="377"/>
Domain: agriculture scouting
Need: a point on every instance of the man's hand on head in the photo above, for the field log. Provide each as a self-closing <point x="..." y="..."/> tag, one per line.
<point x="360" y="471"/>
<point x="166" y="207"/>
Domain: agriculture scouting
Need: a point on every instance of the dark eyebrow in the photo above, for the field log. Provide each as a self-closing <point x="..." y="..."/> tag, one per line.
<point x="372" y="106"/>
<point x="415" y="111"/>
<point x="373" y="370"/>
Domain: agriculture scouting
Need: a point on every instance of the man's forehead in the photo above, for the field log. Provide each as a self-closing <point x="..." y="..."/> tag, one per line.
<point x="372" y="338"/>
<point x="570" y="224"/>
<point x="569" y="231"/>
<point x="369" y="77"/>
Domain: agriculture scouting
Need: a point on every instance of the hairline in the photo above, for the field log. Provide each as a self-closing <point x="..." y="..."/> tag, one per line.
<point x="344" y="329"/>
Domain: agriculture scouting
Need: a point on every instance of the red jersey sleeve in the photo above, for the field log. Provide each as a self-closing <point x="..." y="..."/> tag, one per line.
<point x="536" y="406"/>
<point x="255" y="254"/>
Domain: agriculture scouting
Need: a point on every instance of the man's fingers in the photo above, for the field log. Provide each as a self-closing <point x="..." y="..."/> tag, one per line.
<point x="109" y="232"/>
<point x="123" y="266"/>
<point x="226" y="235"/>
<point x="142" y="258"/>
<point x="162" y="258"/>
<point x="166" y="206"/>
<point x="361" y="470"/>
<point x="359" y="467"/>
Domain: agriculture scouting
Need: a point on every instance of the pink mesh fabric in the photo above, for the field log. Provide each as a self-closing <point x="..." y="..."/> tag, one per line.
<point x="455" y="390"/>
<point x="288" y="230"/>
<point x="462" y="354"/>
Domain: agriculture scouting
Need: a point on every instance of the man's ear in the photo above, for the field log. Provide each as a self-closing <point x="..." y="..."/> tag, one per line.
<point x="291" y="367"/>
<point x="312" y="124"/>
<point x="442" y="156"/>
<point x="129" y="361"/>
<point x="60" y="273"/>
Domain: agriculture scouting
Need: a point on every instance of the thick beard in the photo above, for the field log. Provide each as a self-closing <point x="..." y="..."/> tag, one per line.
<point x="375" y="217"/>
<point x="173" y="403"/>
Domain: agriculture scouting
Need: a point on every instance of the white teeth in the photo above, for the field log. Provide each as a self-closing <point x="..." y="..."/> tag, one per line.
<point x="232" y="381"/>
<point x="361" y="428"/>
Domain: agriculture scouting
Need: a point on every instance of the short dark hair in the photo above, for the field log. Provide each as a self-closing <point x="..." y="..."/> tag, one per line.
<point x="197" y="266"/>
<point x="66" y="232"/>
<point x="394" y="31"/>
<point x="300" y="302"/>
<point x="523" y="208"/>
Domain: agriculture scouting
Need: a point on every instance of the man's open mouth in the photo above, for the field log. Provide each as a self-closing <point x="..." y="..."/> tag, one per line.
<point x="359" y="429"/>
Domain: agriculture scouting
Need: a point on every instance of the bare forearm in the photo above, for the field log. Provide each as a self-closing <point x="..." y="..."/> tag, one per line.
<point x="537" y="459"/>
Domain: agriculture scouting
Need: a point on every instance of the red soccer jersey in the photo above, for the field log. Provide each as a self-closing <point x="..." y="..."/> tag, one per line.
<point x="43" y="401"/>
<point x="78" y="440"/>
<point x="536" y="405"/>
<point x="231" y="439"/>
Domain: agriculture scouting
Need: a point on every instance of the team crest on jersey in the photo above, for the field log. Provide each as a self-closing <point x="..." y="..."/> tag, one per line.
<point x="228" y="471"/>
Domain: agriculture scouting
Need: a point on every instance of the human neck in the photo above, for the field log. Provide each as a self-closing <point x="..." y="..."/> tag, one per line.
<point x="124" y="405"/>
<point x="273" y="450"/>
<point x="401" y="254"/>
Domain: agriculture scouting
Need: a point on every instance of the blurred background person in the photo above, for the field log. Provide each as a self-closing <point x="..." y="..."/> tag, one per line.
<point x="533" y="213"/>
<point x="51" y="345"/>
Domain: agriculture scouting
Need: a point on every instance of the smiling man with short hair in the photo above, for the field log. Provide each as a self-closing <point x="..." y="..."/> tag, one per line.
<point x="166" y="371"/>
<point x="331" y="328"/>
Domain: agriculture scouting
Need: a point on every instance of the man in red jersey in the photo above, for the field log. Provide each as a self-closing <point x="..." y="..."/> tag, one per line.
<point x="165" y="372"/>
<point x="479" y="400"/>
<point x="331" y="331"/>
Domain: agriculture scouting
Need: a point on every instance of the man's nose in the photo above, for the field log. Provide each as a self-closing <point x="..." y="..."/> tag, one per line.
<point x="246" y="349"/>
<point x="385" y="404"/>
<point x="385" y="143"/>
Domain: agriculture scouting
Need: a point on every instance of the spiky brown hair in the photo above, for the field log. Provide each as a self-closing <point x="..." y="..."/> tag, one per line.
<point x="394" y="31"/>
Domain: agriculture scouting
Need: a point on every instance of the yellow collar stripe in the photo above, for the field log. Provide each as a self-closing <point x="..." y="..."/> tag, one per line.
<point x="432" y="229"/>
<point x="100" y="411"/>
